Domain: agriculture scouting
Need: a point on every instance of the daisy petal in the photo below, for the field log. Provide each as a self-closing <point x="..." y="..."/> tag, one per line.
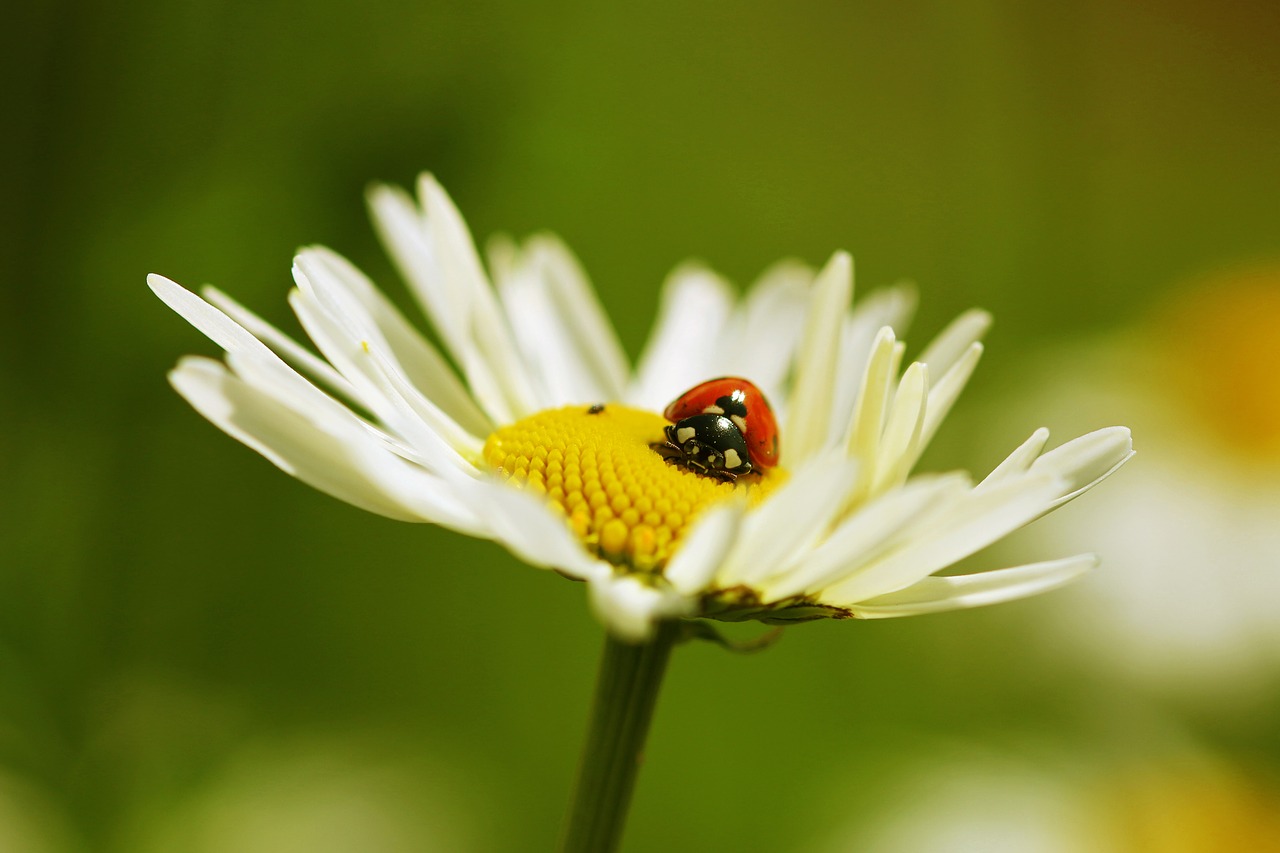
<point x="1086" y="461"/>
<point x="813" y="393"/>
<point x="1019" y="461"/>
<point x="869" y="533"/>
<point x="761" y="339"/>
<point x="487" y="325"/>
<point x="890" y="307"/>
<point x="403" y="232"/>
<point x="899" y="446"/>
<point x="325" y="453"/>
<point x="943" y="394"/>
<point x="279" y="381"/>
<point x="789" y="522"/>
<point x="867" y="423"/>
<point x="438" y="441"/>
<point x="541" y="337"/>
<point x="700" y="555"/>
<point x="211" y="322"/>
<point x="237" y="341"/>
<point x="527" y="527"/>
<point x="289" y="349"/>
<point x="449" y="300"/>
<point x="631" y="609"/>
<point x="560" y="327"/>
<point x="694" y="309"/>
<point x="939" y="594"/>
<point x="969" y="525"/>
<point x="347" y="292"/>
<point x="596" y="341"/>
<point x="955" y="340"/>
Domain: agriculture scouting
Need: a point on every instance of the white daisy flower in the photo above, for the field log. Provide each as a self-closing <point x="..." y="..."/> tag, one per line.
<point x="546" y="441"/>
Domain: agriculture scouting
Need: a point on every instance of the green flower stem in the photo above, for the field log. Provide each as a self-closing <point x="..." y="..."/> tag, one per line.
<point x="626" y="692"/>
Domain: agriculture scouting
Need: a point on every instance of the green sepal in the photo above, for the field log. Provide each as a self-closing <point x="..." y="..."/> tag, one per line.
<point x="741" y="603"/>
<point x="710" y="633"/>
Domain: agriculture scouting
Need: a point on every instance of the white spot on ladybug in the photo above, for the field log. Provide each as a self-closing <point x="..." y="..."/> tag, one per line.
<point x="731" y="458"/>
<point x="713" y="410"/>
<point x="683" y="435"/>
<point x="741" y="423"/>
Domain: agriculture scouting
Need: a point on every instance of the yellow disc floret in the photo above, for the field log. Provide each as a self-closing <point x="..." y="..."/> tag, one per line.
<point x="597" y="465"/>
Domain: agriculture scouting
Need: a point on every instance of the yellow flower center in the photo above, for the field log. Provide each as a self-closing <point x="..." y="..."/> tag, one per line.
<point x="621" y="497"/>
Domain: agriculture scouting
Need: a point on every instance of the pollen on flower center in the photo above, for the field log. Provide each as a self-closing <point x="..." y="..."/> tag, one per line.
<point x="595" y="464"/>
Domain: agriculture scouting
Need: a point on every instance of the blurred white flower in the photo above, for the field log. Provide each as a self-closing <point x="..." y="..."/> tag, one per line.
<point x="1186" y="801"/>
<point x="384" y="422"/>
<point x="1189" y="603"/>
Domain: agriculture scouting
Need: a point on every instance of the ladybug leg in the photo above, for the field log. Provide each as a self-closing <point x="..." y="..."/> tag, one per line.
<point x="669" y="449"/>
<point x="696" y="457"/>
<point x="710" y="465"/>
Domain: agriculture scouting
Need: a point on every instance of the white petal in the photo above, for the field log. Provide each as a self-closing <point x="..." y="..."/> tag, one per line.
<point x="694" y="309"/>
<point x="945" y="391"/>
<point x="450" y="297"/>
<point x="955" y="340"/>
<point x="237" y="341"/>
<point x="451" y="238"/>
<point x="289" y="349"/>
<point x="526" y="525"/>
<point x="899" y="446"/>
<point x="437" y="441"/>
<point x="813" y="392"/>
<point x="631" y="609"/>
<point x="938" y="594"/>
<point x="971" y="524"/>
<point x="698" y="559"/>
<point x="890" y="307"/>
<point x="560" y="327"/>
<point x="215" y="325"/>
<point x="543" y="343"/>
<point x="760" y="341"/>
<point x="867" y="424"/>
<point x="875" y="528"/>
<point x="329" y="454"/>
<point x="595" y="339"/>
<point x="487" y="325"/>
<point x="789" y="522"/>
<point x="895" y="367"/>
<point x="403" y="231"/>
<point x="353" y="341"/>
<point x="1019" y="461"/>
<point x="279" y="381"/>
<point x="342" y="287"/>
<point x="1086" y="461"/>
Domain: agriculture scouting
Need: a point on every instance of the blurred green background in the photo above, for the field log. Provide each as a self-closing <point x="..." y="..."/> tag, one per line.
<point x="198" y="653"/>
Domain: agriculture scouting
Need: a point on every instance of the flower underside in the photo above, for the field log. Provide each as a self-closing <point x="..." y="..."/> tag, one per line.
<point x="598" y="467"/>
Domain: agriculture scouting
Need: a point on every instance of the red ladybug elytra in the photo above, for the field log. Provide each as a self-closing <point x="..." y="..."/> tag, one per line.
<point x="723" y="427"/>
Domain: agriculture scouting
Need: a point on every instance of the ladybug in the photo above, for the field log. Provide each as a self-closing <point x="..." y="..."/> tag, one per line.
<point x="723" y="428"/>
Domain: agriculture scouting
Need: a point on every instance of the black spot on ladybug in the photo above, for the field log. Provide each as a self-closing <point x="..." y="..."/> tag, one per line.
<point x="709" y="444"/>
<point x="596" y="409"/>
<point x="733" y="405"/>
